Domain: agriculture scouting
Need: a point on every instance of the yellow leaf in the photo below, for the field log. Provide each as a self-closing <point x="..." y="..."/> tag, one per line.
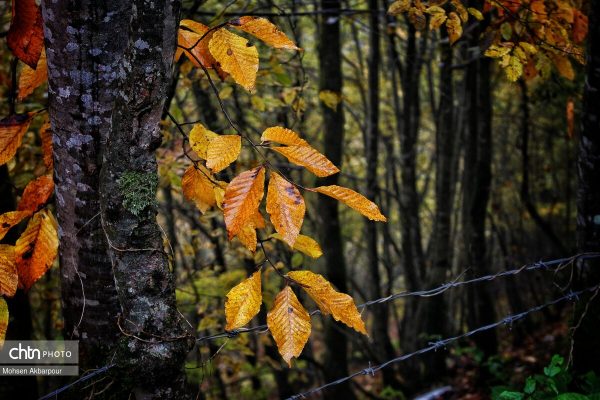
<point x="454" y="27"/>
<point x="286" y="207"/>
<point x="339" y="305"/>
<point x="564" y="67"/>
<point x="30" y="79"/>
<point x="304" y="244"/>
<point x="330" y="98"/>
<point x="222" y="151"/>
<point x="195" y="47"/>
<point x="461" y="10"/>
<point x="514" y="69"/>
<point x="353" y="200"/>
<point x="438" y="17"/>
<point x="199" y="138"/>
<point x="3" y="320"/>
<point x="198" y="188"/>
<point x="242" y="197"/>
<point x="264" y="30"/>
<point x="194" y="26"/>
<point x="8" y="271"/>
<point x="399" y="7"/>
<point x="309" y="158"/>
<point x="10" y="219"/>
<point x="417" y="18"/>
<point x="36" y="194"/>
<point x="475" y="13"/>
<point x="247" y="235"/>
<point x="243" y="302"/>
<point x="236" y="56"/>
<point x="282" y="135"/>
<point x="289" y="324"/>
<point x="12" y="130"/>
<point x="497" y="51"/>
<point x="36" y="249"/>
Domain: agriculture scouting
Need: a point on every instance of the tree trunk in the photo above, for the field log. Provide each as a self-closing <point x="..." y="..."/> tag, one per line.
<point x="109" y="67"/>
<point x="81" y="89"/>
<point x="330" y="59"/>
<point x="586" y="351"/>
<point x="381" y="340"/>
<point x="476" y="186"/>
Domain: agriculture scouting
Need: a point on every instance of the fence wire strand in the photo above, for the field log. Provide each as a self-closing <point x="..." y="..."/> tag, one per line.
<point x="555" y="265"/>
<point x="508" y="320"/>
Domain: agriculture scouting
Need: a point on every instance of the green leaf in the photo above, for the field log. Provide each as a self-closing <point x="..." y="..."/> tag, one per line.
<point x="529" y="385"/>
<point x="511" y="395"/>
<point x="572" y="396"/>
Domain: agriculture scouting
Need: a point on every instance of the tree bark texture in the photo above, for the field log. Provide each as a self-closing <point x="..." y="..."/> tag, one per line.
<point x="335" y="364"/>
<point x="586" y="351"/>
<point x="110" y="65"/>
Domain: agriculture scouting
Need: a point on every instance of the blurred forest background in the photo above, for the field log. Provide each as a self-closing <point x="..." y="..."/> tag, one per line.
<point x="475" y="173"/>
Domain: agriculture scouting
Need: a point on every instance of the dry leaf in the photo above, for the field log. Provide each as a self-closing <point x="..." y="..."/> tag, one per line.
<point x="353" y="200"/>
<point x="235" y="56"/>
<point x="10" y="219"/>
<point x="286" y="207"/>
<point x="264" y="30"/>
<point x="289" y="324"/>
<point x="309" y="158"/>
<point x="222" y="151"/>
<point x="3" y="320"/>
<point x="12" y="130"/>
<point x="247" y="235"/>
<point x="282" y="135"/>
<point x="304" y="244"/>
<point x="198" y="188"/>
<point x="26" y="36"/>
<point x="30" y="79"/>
<point x="242" y="197"/>
<point x="36" y="249"/>
<point x="199" y="138"/>
<point x="454" y="27"/>
<point x="8" y="271"/>
<point x="46" y="138"/>
<point x="36" y="194"/>
<point x="243" y="302"/>
<point x="339" y="305"/>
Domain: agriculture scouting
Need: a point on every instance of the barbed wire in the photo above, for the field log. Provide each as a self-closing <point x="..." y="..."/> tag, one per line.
<point x="508" y="320"/>
<point x="558" y="264"/>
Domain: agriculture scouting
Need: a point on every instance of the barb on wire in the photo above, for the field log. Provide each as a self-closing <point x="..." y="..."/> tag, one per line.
<point x="555" y="265"/>
<point x="508" y="320"/>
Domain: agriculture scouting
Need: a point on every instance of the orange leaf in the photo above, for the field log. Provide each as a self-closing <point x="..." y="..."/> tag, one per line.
<point x="580" y="26"/>
<point x="264" y="30"/>
<point x="286" y="207"/>
<point x="10" y="219"/>
<point x="289" y="324"/>
<point x="247" y="235"/>
<point x="3" y="320"/>
<point x="26" y="36"/>
<point x="282" y="135"/>
<point x="454" y="27"/>
<point x="198" y="45"/>
<point x="339" y="305"/>
<point x="12" y="130"/>
<point x="8" y="271"/>
<point x="30" y="79"/>
<point x="198" y="188"/>
<point x="222" y="151"/>
<point x="570" y="118"/>
<point x="243" y="302"/>
<point x="36" y="193"/>
<point x="242" y="197"/>
<point x="353" y="200"/>
<point x="36" y="249"/>
<point x="309" y="158"/>
<point x="46" y="137"/>
<point x="564" y="67"/>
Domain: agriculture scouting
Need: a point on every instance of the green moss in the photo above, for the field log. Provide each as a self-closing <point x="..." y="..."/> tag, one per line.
<point x="138" y="190"/>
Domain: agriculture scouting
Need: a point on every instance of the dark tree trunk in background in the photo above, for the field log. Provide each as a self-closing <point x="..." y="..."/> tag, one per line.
<point x="335" y="362"/>
<point x="381" y="339"/>
<point x="476" y="187"/>
<point x="587" y="352"/>
<point x="81" y="89"/>
<point x="432" y="315"/>
<point x="109" y="68"/>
